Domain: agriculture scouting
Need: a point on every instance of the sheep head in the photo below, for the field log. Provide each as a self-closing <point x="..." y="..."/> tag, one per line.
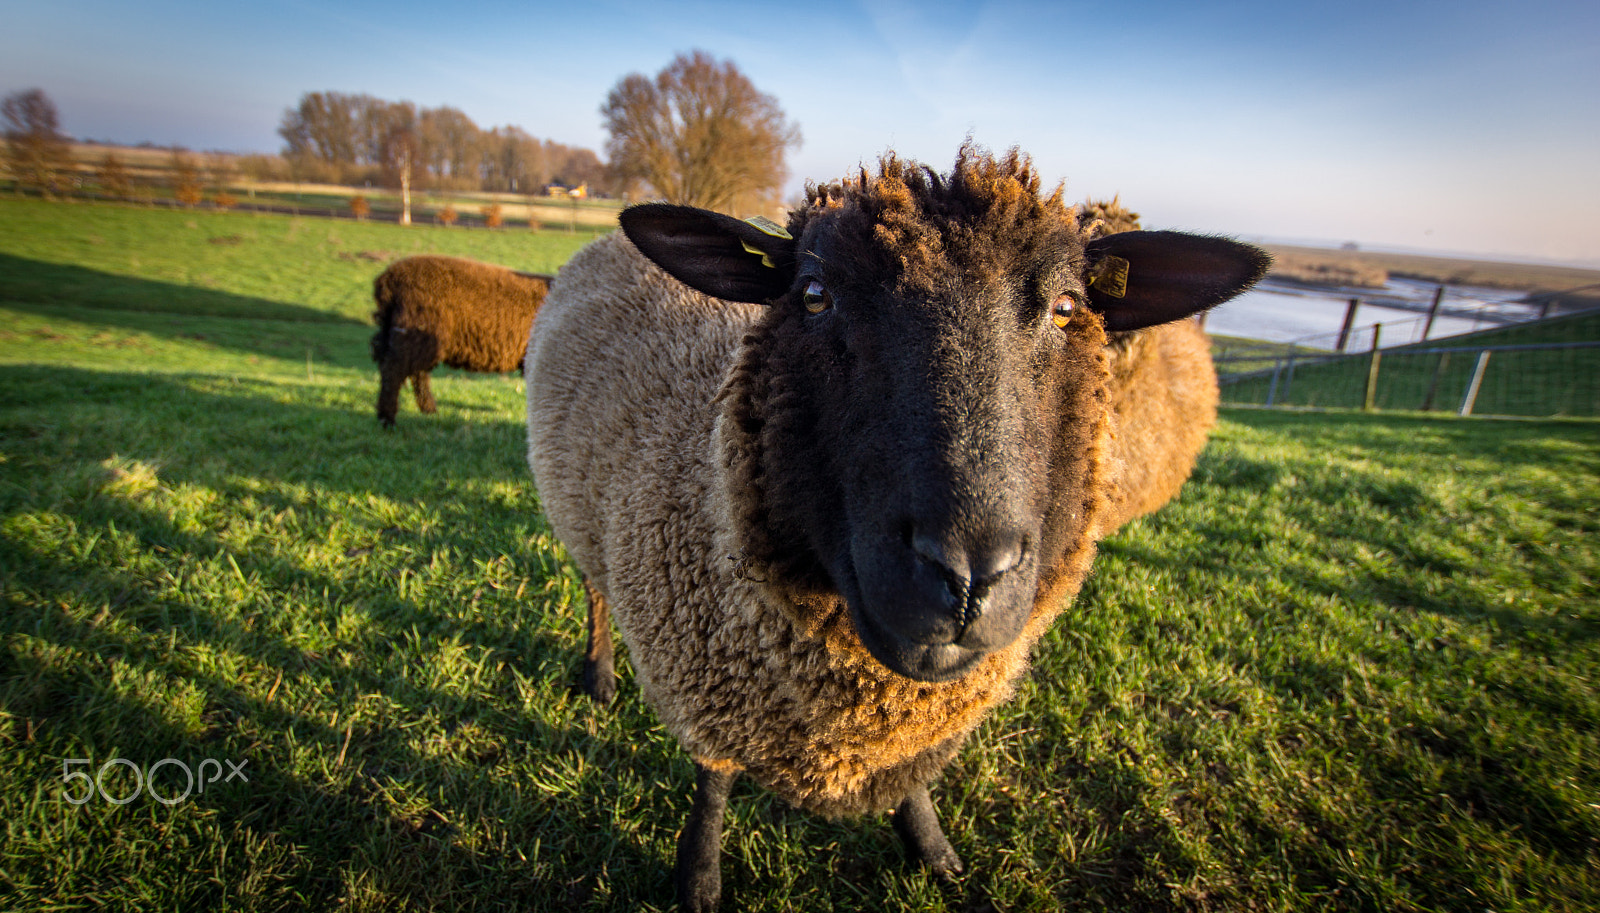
<point x="913" y="432"/>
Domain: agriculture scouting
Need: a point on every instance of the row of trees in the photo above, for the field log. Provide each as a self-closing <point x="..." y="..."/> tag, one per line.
<point x="342" y="138"/>
<point x="697" y="133"/>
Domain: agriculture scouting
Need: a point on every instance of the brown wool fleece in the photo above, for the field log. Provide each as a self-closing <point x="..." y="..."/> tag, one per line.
<point x="629" y="475"/>
<point x="646" y="410"/>
<point x="1164" y="391"/>
<point x="472" y="316"/>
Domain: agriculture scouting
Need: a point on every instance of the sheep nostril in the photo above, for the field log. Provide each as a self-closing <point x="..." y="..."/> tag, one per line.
<point x="1004" y="555"/>
<point x="969" y="573"/>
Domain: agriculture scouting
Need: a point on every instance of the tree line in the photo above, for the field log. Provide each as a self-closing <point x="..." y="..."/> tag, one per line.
<point x="698" y="133"/>
<point x="341" y="138"/>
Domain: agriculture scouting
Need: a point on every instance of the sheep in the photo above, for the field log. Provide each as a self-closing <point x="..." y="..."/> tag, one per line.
<point x="834" y="480"/>
<point x="433" y="310"/>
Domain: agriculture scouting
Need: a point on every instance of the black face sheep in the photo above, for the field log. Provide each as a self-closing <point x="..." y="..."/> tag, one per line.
<point x="443" y="310"/>
<point x="835" y="480"/>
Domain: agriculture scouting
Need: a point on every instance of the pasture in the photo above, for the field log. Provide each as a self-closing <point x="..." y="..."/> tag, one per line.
<point x="1355" y="666"/>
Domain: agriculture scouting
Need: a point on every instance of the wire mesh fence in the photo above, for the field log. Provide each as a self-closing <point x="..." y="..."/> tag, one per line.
<point x="1536" y="379"/>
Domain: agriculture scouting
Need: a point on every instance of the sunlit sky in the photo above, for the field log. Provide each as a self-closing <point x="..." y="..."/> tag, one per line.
<point x="1465" y="126"/>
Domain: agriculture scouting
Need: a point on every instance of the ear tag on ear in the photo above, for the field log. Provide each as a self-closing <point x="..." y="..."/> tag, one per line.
<point x="752" y="249"/>
<point x="1111" y="277"/>
<point x="768" y="227"/>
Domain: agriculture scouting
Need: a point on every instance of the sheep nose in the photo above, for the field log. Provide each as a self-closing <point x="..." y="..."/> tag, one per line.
<point x="965" y="568"/>
<point x="969" y="568"/>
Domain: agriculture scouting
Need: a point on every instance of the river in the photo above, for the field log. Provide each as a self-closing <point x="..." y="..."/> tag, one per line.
<point x="1286" y="312"/>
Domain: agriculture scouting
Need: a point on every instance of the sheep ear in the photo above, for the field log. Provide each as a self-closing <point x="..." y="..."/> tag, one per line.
<point x="713" y="253"/>
<point x="1142" y="278"/>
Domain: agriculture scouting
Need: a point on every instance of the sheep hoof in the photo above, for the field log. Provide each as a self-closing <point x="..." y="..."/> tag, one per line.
<point x="600" y="682"/>
<point x="918" y="827"/>
<point x="699" y="870"/>
<point x="700" y="891"/>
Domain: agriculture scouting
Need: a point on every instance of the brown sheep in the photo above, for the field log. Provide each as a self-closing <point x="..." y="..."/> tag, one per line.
<point x="835" y="480"/>
<point x="443" y="310"/>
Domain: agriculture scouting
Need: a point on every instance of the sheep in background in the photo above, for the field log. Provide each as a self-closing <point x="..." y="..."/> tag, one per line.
<point x="443" y="310"/>
<point x="832" y="527"/>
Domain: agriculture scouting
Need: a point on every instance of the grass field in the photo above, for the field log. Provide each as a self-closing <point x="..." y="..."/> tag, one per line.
<point x="1356" y="666"/>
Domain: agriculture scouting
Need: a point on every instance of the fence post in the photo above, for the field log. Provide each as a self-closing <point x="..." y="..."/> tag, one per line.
<point x="1349" y="321"/>
<point x="1433" y="385"/>
<point x="1372" y="370"/>
<point x="1433" y="312"/>
<point x="1272" y="388"/>
<point x="1472" y="387"/>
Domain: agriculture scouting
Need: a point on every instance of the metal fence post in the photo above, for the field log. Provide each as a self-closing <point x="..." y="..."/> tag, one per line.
<point x="1472" y="387"/>
<point x="1272" y="388"/>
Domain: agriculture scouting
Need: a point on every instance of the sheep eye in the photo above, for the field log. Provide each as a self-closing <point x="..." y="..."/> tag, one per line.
<point x="815" y="298"/>
<point x="1061" y="310"/>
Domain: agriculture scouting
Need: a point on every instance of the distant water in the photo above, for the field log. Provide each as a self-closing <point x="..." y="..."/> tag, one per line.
<point x="1283" y="312"/>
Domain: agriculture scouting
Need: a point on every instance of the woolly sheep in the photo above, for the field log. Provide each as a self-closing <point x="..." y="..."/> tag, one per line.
<point x="834" y="481"/>
<point x="433" y="310"/>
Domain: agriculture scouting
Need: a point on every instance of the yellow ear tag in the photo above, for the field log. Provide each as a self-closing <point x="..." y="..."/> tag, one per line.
<point x="1111" y="277"/>
<point x="765" y="260"/>
<point x="767" y="227"/>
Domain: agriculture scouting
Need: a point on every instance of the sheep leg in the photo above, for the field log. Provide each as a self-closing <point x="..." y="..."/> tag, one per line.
<point x="419" y="385"/>
<point x="391" y="377"/>
<point x="599" y="669"/>
<point x="918" y="826"/>
<point x="699" y="874"/>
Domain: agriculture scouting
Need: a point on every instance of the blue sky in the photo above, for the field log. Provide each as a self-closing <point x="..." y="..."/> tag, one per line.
<point x="1465" y="126"/>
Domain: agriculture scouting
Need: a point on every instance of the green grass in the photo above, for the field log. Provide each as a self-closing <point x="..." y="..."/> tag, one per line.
<point x="1353" y="666"/>
<point x="234" y="264"/>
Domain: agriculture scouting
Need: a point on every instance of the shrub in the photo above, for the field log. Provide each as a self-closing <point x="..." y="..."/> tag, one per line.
<point x="448" y="215"/>
<point x="493" y="215"/>
<point x="113" y="177"/>
<point x="359" y="207"/>
<point x="186" y="187"/>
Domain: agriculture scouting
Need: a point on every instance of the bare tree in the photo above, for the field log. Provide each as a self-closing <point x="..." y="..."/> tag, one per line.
<point x="699" y="133"/>
<point x="36" y="152"/>
<point x="398" y="152"/>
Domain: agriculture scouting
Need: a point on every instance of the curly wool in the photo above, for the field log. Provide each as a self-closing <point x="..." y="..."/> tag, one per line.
<point x="435" y="310"/>
<point x="641" y="504"/>
<point x="648" y="407"/>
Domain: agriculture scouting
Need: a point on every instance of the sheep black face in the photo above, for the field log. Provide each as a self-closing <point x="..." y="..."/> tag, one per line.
<point x="937" y="354"/>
